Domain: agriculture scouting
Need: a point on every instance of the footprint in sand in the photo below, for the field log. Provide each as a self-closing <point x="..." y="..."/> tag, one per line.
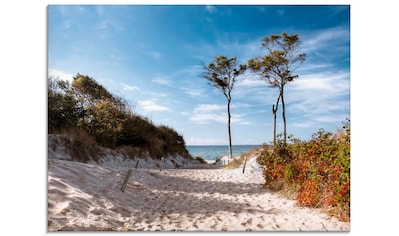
<point x="273" y="211"/>
<point x="248" y="222"/>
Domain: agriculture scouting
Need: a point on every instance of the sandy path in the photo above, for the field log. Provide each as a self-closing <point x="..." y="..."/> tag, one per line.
<point x="87" y="197"/>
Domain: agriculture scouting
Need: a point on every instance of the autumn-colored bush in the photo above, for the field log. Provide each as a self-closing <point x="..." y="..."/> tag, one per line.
<point x="317" y="172"/>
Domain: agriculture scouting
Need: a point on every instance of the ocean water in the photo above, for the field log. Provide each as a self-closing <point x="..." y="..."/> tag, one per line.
<point x="212" y="153"/>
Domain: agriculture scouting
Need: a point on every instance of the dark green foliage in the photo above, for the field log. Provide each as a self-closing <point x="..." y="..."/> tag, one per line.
<point x="64" y="110"/>
<point x="89" y="87"/>
<point x="222" y="73"/>
<point x="133" y="132"/>
<point x="172" y="141"/>
<point x="277" y="67"/>
<point x="108" y="120"/>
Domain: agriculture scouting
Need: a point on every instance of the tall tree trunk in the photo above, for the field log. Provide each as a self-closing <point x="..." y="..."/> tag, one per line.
<point x="274" y="110"/>
<point x="228" y="113"/>
<point x="274" y="126"/>
<point x="284" y="120"/>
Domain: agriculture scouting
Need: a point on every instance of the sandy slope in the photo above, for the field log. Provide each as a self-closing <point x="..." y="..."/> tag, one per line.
<point x="88" y="197"/>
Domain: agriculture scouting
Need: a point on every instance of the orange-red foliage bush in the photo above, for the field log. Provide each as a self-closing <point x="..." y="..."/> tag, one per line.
<point x="317" y="171"/>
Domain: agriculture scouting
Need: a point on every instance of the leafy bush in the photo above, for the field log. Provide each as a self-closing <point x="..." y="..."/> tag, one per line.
<point x="87" y="106"/>
<point x="316" y="171"/>
<point x="63" y="109"/>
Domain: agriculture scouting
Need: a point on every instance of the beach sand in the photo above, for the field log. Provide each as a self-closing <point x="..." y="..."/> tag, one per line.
<point x="87" y="197"/>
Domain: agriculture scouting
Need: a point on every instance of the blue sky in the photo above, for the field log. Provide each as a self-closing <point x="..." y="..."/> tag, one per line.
<point x="152" y="55"/>
<point x="373" y="134"/>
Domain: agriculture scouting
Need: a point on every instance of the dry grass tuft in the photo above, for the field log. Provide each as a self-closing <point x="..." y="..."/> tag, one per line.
<point x="238" y="161"/>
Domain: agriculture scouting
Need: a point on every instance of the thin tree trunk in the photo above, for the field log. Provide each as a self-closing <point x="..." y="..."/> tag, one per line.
<point x="228" y="113"/>
<point x="284" y="120"/>
<point x="274" y="110"/>
<point x="274" y="126"/>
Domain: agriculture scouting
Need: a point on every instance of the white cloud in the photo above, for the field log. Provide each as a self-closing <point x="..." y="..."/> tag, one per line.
<point x="245" y="123"/>
<point x="316" y="122"/>
<point x="318" y="100"/>
<point x="280" y="12"/>
<point x="205" y="113"/>
<point x="312" y="101"/>
<point x="150" y="105"/>
<point x="310" y="84"/>
<point x="255" y="92"/>
<point x="126" y="87"/>
<point x="251" y="82"/>
<point x="160" y="80"/>
<point x="103" y="24"/>
<point x="326" y="84"/>
<point x="66" y="25"/>
<point x="195" y="92"/>
<point x="325" y="38"/>
<point x="205" y="141"/>
<point x="208" y="108"/>
<point x="204" y="118"/>
<point x="210" y="9"/>
<point x="229" y="46"/>
<point x="100" y="10"/>
<point x="155" y="94"/>
<point x="328" y="119"/>
<point x="60" y="75"/>
<point x="192" y="92"/>
<point x="147" y="50"/>
<point x="304" y="124"/>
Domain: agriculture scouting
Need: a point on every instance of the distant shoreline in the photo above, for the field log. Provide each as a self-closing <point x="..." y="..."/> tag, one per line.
<point x="211" y="153"/>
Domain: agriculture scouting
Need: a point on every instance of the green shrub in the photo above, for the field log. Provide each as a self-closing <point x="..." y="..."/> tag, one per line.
<point x="107" y="119"/>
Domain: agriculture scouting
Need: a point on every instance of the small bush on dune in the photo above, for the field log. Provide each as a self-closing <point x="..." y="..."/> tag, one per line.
<point x="235" y="163"/>
<point x="79" y="145"/>
<point x="201" y="160"/>
<point x="84" y="148"/>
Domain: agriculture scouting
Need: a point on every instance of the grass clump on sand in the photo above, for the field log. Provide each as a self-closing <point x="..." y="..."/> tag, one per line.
<point x="238" y="161"/>
<point x="201" y="160"/>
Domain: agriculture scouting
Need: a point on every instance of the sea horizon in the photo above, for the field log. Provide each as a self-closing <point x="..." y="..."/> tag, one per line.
<point x="213" y="152"/>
